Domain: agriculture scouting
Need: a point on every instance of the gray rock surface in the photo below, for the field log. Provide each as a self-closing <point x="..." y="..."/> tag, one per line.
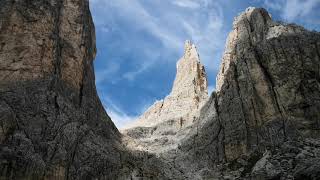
<point x="267" y="99"/>
<point x="268" y="85"/>
<point x="265" y="111"/>
<point x="52" y="122"/>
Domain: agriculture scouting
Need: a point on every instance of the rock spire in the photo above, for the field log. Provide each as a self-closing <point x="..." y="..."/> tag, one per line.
<point x="189" y="93"/>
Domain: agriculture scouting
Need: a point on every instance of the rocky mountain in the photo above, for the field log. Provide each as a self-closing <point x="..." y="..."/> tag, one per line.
<point x="263" y="120"/>
<point x="188" y="95"/>
<point x="167" y="121"/>
<point x="52" y="122"/>
<point x="270" y="73"/>
<point x="261" y="123"/>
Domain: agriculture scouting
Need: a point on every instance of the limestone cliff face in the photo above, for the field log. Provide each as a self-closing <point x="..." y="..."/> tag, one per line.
<point x="52" y="122"/>
<point x="189" y="93"/>
<point x="267" y="101"/>
<point x="270" y="73"/>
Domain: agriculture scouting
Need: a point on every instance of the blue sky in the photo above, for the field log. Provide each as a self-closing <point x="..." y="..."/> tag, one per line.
<point x="140" y="41"/>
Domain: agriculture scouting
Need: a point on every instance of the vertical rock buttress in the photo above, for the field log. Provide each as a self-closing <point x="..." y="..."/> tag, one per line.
<point x="52" y="122"/>
<point x="267" y="89"/>
<point x="267" y="84"/>
<point x="265" y="109"/>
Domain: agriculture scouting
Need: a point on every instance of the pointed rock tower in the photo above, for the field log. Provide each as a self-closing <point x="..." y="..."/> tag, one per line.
<point x="189" y="93"/>
<point x="191" y="78"/>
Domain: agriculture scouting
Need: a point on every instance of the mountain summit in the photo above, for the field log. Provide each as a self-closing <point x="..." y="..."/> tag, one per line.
<point x="189" y="93"/>
<point x="191" y="78"/>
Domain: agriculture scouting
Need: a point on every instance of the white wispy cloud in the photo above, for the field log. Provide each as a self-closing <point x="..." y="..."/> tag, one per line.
<point x="117" y="115"/>
<point x="275" y="5"/>
<point x="208" y="33"/>
<point x="186" y="4"/>
<point x="290" y="10"/>
<point x="135" y="12"/>
<point x="166" y="25"/>
<point x="131" y="75"/>
<point x="211" y="89"/>
<point x="198" y="20"/>
<point x="150" y="59"/>
<point x="120" y="119"/>
<point x="298" y="8"/>
<point x="108" y="73"/>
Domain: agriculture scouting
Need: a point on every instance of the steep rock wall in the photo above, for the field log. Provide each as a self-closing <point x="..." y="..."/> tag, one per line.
<point x="268" y="84"/>
<point x="52" y="122"/>
<point x="267" y="100"/>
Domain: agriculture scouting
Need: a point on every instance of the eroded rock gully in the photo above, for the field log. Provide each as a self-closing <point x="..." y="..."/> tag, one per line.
<point x="261" y="123"/>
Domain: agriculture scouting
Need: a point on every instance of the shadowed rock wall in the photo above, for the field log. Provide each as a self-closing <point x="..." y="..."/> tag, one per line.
<point x="52" y="121"/>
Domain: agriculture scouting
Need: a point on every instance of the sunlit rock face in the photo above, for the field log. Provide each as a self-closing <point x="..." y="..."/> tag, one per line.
<point x="267" y="82"/>
<point x="263" y="119"/>
<point x="161" y="128"/>
<point x="266" y="104"/>
<point x="189" y="93"/>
